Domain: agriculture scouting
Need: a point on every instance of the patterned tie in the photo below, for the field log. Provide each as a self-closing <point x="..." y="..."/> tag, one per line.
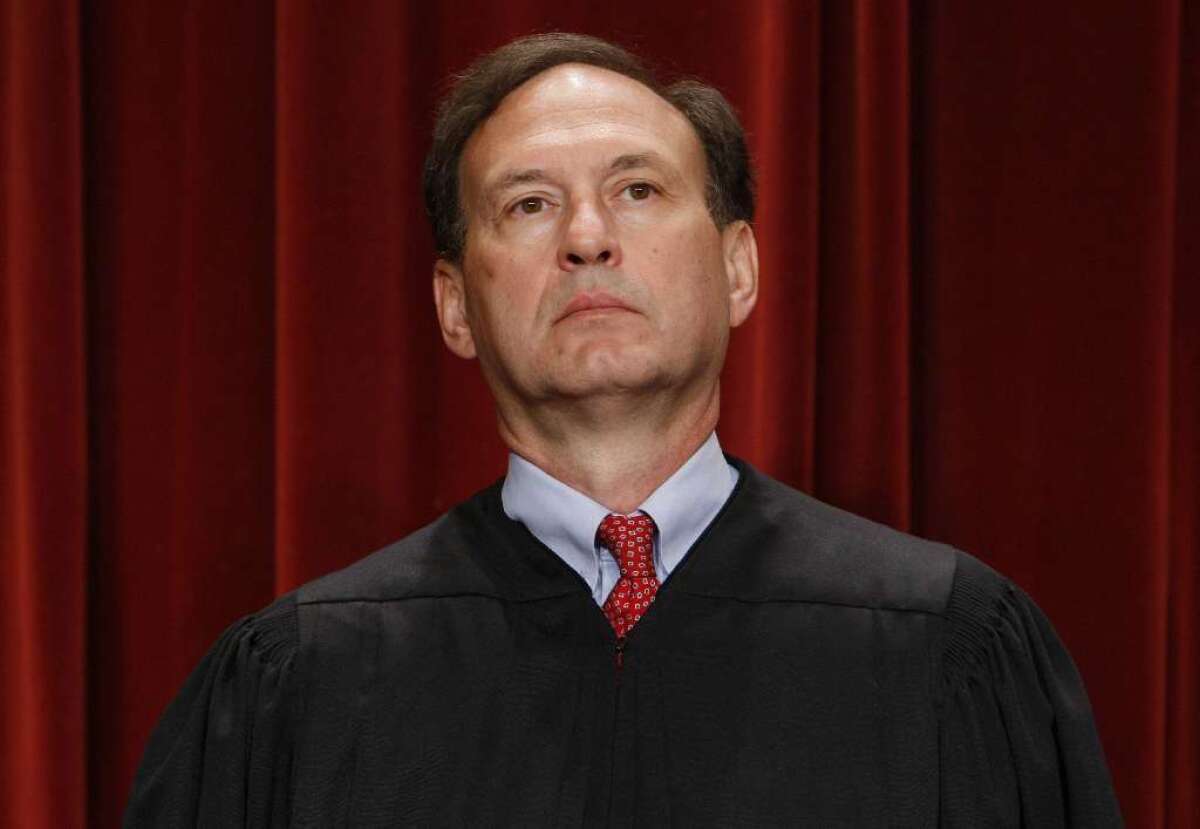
<point x="630" y="539"/>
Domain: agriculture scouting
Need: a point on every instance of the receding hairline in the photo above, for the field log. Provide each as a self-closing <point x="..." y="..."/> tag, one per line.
<point x="516" y="175"/>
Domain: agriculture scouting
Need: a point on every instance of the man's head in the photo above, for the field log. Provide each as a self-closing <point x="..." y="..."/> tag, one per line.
<point x="593" y="232"/>
<point x="481" y="88"/>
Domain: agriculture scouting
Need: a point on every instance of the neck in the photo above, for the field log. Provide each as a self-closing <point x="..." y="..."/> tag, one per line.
<point x="617" y="451"/>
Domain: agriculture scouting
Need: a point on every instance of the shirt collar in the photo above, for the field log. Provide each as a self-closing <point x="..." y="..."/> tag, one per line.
<point x="565" y="520"/>
<point x="562" y="518"/>
<point x="686" y="502"/>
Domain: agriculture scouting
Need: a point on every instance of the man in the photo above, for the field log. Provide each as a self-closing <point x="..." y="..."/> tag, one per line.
<point x="631" y="628"/>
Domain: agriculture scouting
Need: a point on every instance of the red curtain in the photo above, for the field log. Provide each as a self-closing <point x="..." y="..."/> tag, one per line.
<point x="221" y="375"/>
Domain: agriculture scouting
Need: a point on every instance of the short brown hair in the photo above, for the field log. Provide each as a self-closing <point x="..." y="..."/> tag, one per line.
<point x="478" y="91"/>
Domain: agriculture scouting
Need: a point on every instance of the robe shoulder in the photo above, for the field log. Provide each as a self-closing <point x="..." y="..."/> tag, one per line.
<point x="1017" y="737"/>
<point x="221" y="753"/>
<point x="440" y="559"/>
<point x="787" y="545"/>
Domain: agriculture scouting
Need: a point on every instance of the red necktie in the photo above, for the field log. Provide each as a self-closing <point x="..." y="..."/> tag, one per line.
<point x="630" y="539"/>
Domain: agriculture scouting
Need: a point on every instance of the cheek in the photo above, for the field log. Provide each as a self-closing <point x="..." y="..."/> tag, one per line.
<point x="705" y="285"/>
<point x="507" y="295"/>
<point x="693" y="267"/>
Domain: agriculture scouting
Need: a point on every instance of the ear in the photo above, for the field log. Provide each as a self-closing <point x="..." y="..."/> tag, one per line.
<point x="741" y="270"/>
<point x="449" y="295"/>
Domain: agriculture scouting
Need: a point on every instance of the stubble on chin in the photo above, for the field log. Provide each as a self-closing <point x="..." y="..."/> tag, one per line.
<point x="603" y="370"/>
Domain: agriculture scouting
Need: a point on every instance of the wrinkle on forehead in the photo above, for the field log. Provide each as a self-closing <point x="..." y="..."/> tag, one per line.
<point x="574" y="104"/>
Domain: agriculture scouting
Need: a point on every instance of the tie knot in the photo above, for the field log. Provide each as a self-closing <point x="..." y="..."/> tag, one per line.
<point x="630" y="539"/>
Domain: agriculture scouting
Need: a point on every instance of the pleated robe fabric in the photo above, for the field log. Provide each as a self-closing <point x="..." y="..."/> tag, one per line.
<point x="800" y="667"/>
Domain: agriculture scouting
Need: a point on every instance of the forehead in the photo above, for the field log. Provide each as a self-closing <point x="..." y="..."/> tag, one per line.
<point x="576" y="113"/>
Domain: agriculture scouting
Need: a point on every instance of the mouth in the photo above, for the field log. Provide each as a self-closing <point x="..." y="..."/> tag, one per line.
<point x="591" y="302"/>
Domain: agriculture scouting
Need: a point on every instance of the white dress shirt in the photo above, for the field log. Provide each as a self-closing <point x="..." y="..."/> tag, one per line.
<point x="566" y="520"/>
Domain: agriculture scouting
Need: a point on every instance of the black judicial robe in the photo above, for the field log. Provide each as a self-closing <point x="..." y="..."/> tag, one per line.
<point x="801" y="667"/>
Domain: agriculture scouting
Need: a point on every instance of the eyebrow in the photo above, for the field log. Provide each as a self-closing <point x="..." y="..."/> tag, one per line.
<point x="648" y="160"/>
<point x="532" y="175"/>
<point x="631" y="161"/>
<point x="513" y="178"/>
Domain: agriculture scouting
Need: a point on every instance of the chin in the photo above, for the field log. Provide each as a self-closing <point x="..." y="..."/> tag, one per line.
<point x="608" y="364"/>
<point x="603" y="375"/>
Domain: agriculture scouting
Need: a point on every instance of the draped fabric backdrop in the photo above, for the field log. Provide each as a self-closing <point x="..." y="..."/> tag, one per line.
<point x="221" y="375"/>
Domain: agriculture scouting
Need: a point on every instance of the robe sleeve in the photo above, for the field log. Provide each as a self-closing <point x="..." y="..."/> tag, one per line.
<point x="221" y="753"/>
<point x="1018" y="743"/>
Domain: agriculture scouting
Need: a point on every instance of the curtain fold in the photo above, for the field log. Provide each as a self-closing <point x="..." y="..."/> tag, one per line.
<point x="863" y="406"/>
<point x="221" y="376"/>
<point x="1046" y="301"/>
<point x="180" y="264"/>
<point x="43" y="418"/>
<point x="766" y="379"/>
<point x="1181" y="714"/>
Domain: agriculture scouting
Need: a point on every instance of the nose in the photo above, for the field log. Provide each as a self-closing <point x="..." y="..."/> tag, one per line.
<point x="589" y="238"/>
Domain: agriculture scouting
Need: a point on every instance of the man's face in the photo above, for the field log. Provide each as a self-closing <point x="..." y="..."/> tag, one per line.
<point x="592" y="265"/>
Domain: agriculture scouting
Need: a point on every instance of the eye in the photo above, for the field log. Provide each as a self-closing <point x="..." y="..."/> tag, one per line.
<point x="530" y="205"/>
<point x="640" y="190"/>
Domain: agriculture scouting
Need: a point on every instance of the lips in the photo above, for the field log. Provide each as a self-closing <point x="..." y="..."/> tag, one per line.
<point x="592" y="301"/>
